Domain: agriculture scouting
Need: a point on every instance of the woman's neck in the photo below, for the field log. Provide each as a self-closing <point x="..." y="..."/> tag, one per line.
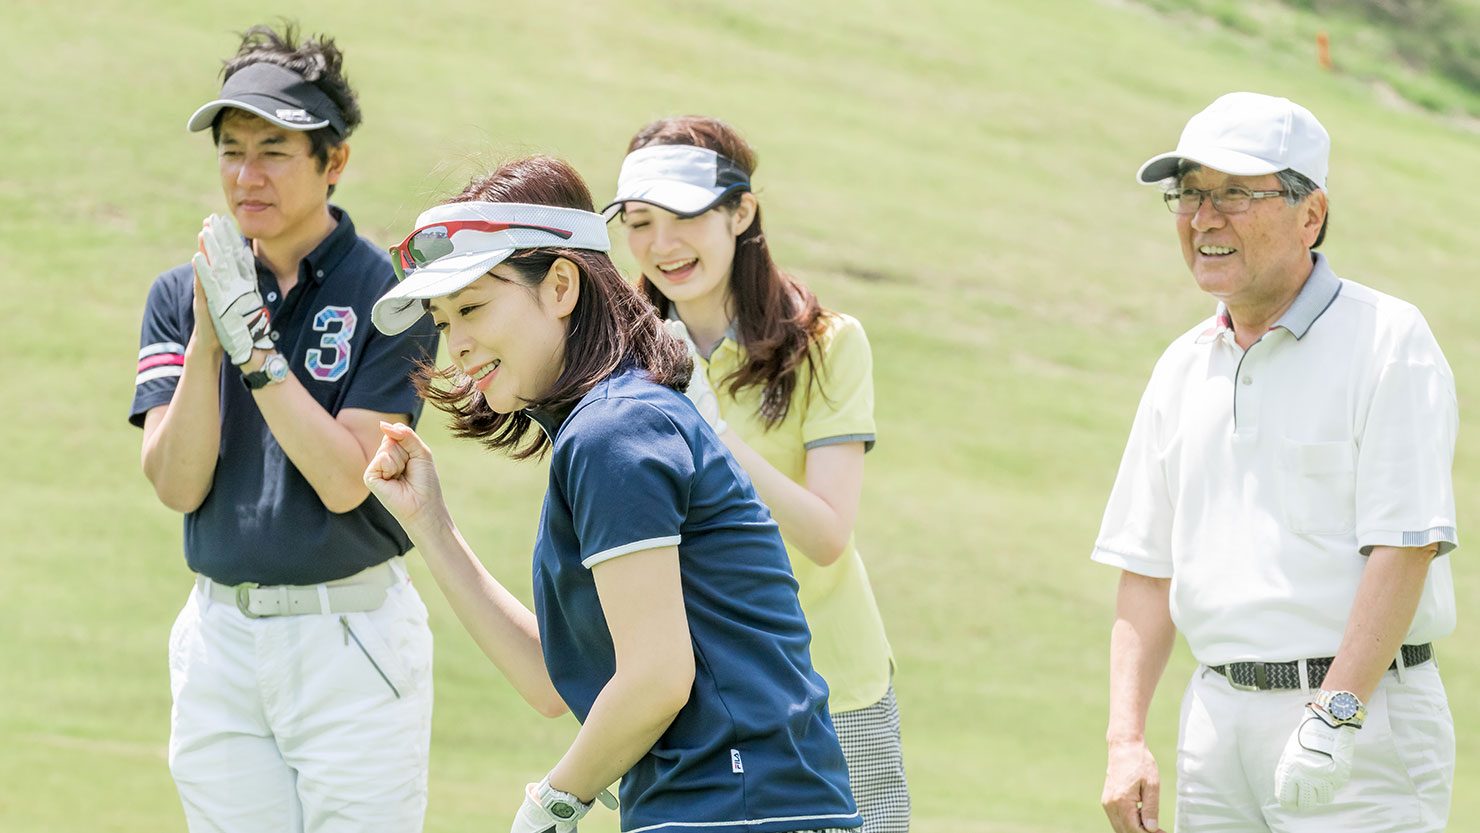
<point x="707" y="319"/>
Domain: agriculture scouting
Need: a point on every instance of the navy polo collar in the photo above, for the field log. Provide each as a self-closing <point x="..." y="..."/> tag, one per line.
<point x="332" y="250"/>
<point x="548" y="421"/>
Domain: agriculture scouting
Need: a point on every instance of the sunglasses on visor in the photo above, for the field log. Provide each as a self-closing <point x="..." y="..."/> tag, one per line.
<point x="429" y="243"/>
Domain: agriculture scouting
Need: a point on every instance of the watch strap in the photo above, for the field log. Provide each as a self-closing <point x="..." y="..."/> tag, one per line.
<point x="261" y="378"/>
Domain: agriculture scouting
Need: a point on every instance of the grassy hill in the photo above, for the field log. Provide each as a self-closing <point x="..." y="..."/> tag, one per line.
<point x="958" y="175"/>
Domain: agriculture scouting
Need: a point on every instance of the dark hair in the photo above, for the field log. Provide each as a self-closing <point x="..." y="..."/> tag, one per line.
<point x="778" y="318"/>
<point x="317" y="59"/>
<point x="611" y="327"/>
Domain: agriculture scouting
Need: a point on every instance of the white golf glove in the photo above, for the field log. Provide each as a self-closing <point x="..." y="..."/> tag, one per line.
<point x="229" y="276"/>
<point x="699" y="392"/>
<point x="534" y="818"/>
<point x="1316" y="763"/>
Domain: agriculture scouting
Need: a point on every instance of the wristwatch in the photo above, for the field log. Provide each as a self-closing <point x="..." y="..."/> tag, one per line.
<point x="272" y="371"/>
<point x="1345" y="708"/>
<point x="559" y="803"/>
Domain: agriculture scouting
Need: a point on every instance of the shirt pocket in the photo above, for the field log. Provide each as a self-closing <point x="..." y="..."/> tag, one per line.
<point x="1320" y="487"/>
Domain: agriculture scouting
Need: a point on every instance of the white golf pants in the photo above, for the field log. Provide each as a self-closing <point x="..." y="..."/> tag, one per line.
<point x="315" y="723"/>
<point x="1230" y="742"/>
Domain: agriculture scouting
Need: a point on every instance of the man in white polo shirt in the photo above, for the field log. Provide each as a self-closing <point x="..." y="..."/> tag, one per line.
<point x="1283" y="497"/>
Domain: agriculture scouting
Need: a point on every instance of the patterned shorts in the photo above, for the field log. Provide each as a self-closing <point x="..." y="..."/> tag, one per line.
<point x="870" y="739"/>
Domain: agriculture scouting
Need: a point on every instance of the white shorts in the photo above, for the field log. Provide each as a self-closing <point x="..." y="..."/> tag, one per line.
<point x="1230" y="742"/>
<point x="284" y="724"/>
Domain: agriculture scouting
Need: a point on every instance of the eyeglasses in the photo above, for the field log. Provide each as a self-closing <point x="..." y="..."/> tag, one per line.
<point x="1230" y="199"/>
<point x="429" y="243"/>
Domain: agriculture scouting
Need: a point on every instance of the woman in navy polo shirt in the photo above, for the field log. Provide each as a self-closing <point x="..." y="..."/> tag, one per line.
<point x="788" y="386"/>
<point x="666" y="614"/>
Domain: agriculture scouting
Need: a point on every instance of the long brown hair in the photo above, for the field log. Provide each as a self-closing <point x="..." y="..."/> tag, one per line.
<point x="778" y="318"/>
<point x="611" y="327"/>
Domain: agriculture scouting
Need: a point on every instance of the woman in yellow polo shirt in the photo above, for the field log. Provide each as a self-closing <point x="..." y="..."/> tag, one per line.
<point x="788" y="386"/>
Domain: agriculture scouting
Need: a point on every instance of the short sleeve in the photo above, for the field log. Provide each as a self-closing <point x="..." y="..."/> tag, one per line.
<point x="841" y="405"/>
<point x="1405" y="491"/>
<point x="1136" y="533"/>
<point x="626" y="472"/>
<point x="383" y="380"/>
<point x="162" y="339"/>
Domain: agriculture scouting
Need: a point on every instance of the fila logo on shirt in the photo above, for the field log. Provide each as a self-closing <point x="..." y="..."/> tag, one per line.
<point x="330" y="360"/>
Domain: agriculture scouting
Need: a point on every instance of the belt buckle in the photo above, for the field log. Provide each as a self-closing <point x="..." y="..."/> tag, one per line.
<point x="1238" y="686"/>
<point x="1260" y="676"/>
<point x="244" y="599"/>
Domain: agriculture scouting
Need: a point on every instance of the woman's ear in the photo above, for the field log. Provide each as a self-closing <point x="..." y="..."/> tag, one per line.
<point x="561" y="288"/>
<point x="744" y="214"/>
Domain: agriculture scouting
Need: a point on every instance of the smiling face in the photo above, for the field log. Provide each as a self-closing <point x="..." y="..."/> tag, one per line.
<point x="273" y="184"/>
<point x="688" y="259"/>
<point x="1256" y="258"/>
<point x="508" y="336"/>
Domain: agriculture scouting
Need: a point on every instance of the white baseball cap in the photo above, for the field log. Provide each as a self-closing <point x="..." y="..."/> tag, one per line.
<point x="684" y="179"/>
<point x="457" y="243"/>
<point x="1248" y="134"/>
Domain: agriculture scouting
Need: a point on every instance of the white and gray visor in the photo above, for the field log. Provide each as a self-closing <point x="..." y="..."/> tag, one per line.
<point x="457" y="243"/>
<point x="683" y="179"/>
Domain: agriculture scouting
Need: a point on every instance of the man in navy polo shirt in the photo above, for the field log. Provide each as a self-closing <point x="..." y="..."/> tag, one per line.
<point x="301" y="663"/>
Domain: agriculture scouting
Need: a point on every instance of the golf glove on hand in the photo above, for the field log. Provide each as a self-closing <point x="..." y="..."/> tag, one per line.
<point x="699" y="392"/>
<point x="1316" y="763"/>
<point x="229" y="276"/>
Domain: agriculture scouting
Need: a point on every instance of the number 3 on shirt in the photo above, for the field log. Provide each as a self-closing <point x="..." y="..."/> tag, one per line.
<point x="331" y="359"/>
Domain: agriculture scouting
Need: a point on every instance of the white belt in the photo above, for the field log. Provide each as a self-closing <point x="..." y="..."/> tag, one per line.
<point x="360" y="592"/>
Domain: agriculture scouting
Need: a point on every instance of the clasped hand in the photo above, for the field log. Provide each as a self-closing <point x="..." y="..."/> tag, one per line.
<point x="404" y="478"/>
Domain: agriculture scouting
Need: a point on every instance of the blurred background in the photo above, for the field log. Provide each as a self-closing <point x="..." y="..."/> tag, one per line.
<point x="958" y="175"/>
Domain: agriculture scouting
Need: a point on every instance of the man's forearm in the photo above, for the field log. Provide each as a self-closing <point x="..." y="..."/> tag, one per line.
<point x="1140" y="645"/>
<point x="182" y="440"/>
<point x="1382" y="612"/>
<point x="324" y="451"/>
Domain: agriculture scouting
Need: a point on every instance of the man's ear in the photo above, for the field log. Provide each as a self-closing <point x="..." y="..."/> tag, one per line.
<point x="561" y="288"/>
<point x="1313" y="217"/>
<point x="338" y="158"/>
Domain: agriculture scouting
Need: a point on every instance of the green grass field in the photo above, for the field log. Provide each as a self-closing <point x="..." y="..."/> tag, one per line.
<point x="958" y="175"/>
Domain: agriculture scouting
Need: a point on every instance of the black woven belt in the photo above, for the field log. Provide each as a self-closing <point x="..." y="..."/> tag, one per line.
<point x="1264" y="676"/>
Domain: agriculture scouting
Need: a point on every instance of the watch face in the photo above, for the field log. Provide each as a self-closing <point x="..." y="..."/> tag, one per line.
<point x="561" y="810"/>
<point x="277" y="368"/>
<point x="1343" y="705"/>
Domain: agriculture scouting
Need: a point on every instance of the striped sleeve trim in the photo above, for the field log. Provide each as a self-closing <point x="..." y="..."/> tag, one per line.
<point x="626" y="549"/>
<point x="866" y="439"/>
<point x="161" y="347"/>
<point x="1444" y="536"/>
<point x="835" y="819"/>
<point x="160" y="360"/>
<point x="165" y="372"/>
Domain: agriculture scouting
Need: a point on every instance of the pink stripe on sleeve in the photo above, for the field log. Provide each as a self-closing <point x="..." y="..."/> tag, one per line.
<point x="162" y="358"/>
